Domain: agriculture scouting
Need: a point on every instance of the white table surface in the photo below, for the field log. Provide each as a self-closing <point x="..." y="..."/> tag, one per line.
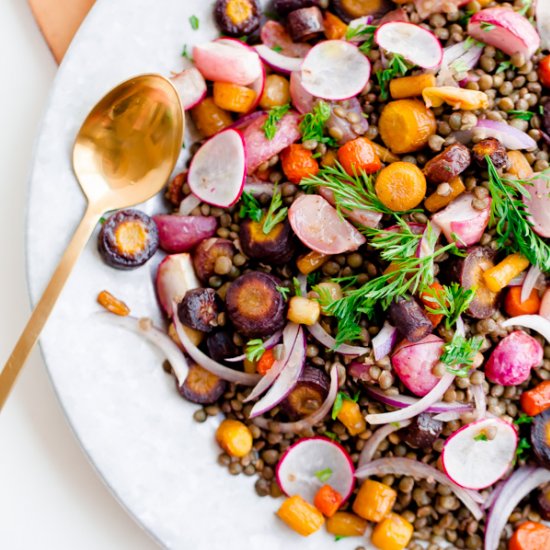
<point x="50" y="496"/>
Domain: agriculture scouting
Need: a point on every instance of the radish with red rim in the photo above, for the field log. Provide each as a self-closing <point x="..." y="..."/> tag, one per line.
<point x="335" y="70"/>
<point x="300" y="97"/>
<point x="538" y="205"/>
<point x="277" y="61"/>
<point x="313" y="462"/>
<point x="218" y="169"/>
<point x="274" y="35"/>
<point x="179" y="233"/>
<point x="175" y="276"/>
<point x="191" y="87"/>
<point x="479" y="454"/>
<point x="416" y="44"/>
<point x="543" y="23"/>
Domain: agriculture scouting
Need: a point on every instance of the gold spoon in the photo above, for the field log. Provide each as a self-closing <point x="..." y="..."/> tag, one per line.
<point x="123" y="155"/>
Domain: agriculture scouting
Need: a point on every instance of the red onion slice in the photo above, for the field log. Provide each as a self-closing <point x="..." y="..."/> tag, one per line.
<point x="323" y="337"/>
<point x="373" y="442"/>
<point x="534" y="322"/>
<point x="384" y="341"/>
<point x="511" y="137"/>
<point x="448" y="416"/>
<point x="308" y="421"/>
<point x="290" y="334"/>
<point x="144" y="327"/>
<point x="517" y="486"/>
<point x="530" y="282"/>
<point x="480" y="400"/>
<point x="360" y="371"/>
<point x="416" y="469"/>
<point x="401" y="401"/>
<point x="420" y="406"/>
<point x="208" y="363"/>
<point x="188" y="204"/>
<point x="287" y="378"/>
<point x="271" y="342"/>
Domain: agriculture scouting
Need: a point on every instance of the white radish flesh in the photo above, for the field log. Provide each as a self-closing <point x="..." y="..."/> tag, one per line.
<point x="218" y="169"/>
<point x="278" y="61"/>
<point x="335" y="70"/>
<point x="538" y="206"/>
<point x="191" y="87"/>
<point x="479" y="454"/>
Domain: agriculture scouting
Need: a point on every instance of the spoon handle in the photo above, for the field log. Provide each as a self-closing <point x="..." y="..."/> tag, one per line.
<point x="41" y="313"/>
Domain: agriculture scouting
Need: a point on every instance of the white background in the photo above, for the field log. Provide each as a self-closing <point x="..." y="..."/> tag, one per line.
<point x="50" y="496"/>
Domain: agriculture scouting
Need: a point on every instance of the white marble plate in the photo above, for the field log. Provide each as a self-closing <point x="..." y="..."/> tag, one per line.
<point x="136" y="430"/>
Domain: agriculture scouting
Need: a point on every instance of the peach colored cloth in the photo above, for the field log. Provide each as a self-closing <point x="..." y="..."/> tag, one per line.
<point x="59" y="20"/>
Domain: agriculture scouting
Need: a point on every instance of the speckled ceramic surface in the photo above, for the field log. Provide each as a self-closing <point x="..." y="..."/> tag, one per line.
<point x="134" y="427"/>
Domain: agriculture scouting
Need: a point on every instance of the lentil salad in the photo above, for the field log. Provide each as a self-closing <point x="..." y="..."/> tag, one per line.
<point x="379" y="244"/>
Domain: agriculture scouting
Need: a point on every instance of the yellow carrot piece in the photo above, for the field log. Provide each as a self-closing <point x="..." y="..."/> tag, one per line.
<point x="436" y="201"/>
<point x="311" y="261"/>
<point x="300" y="515"/>
<point x="392" y="533"/>
<point x="519" y="165"/>
<point x="350" y="416"/>
<point x="411" y="86"/>
<point x="234" y="438"/>
<point x="344" y="524"/>
<point x="233" y="97"/>
<point x="497" y="277"/>
<point x="303" y="311"/>
<point x="374" y="500"/>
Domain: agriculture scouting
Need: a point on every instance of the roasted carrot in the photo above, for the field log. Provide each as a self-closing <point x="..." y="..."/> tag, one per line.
<point x="392" y="533"/>
<point x="344" y="524"/>
<point x="410" y="86"/>
<point x="359" y="155"/>
<point x="436" y="201"/>
<point x="335" y="28"/>
<point x="232" y="97"/>
<point x="401" y="186"/>
<point x="300" y="515"/>
<point x="536" y="400"/>
<point x="497" y="277"/>
<point x="327" y="500"/>
<point x="514" y="306"/>
<point x="266" y="362"/>
<point x="427" y="299"/>
<point x="234" y="438"/>
<point x="530" y="536"/>
<point x="298" y="163"/>
<point x="374" y="500"/>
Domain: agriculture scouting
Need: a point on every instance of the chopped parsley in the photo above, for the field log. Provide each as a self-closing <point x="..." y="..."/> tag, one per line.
<point x="339" y="537"/>
<point x="458" y="354"/>
<point x="523" y="447"/>
<point x="339" y="402"/>
<point x="296" y="284"/>
<point x="486" y="27"/>
<point x="313" y="278"/>
<point x="324" y="475"/>
<point x="396" y="67"/>
<point x="277" y="48"/>
<point x="312" y="125"/>
<point x="480" y="437"/>
<point x="274" y="116"/>
<point x="254" y="349"/>
<point x="365" y="32"/>
<point x="194" y="22"/>
<point x="504" y="66"/>
<point x="523" y="115"/>
<point x="185" y="53"/>
<point x="284" y="291"/>
<point x="275" y="213"/>
<point x="250" y="207"/>
<point x="523" y="419"/>
<point x="331" y="435"/>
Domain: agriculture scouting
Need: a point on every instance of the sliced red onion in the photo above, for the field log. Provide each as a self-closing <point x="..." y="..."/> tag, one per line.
<point x="271" y="342"/>
<point x="384" y="341"/>
<point x="514" y="489"/>
<point x="480" y="400"/>
<point x="144" y="327"/>
<point x="288" y="376"/>
<point x="323" y="337"/>
<point x="510" y="137"/>
<point x="534" y="322"/>
<point x="308" y="421"/>
<point x="208" y="363"/>
<point x="530" y="281"/>
<point x="244" y="121"/>
<point x="417" y="469"/>
<point x="373" y="442"/>
<point x="188" y="204"/>
<point x="448" y="416"/>
<point x="419" y="407"/>
<point x="359" y="370"/>
<point x="257" y="188"/>
<point x="290" y="334"/>
<point x="401" y="401"/>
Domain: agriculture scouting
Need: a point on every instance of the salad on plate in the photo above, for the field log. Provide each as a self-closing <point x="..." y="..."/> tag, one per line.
<point x="355" y="261"/>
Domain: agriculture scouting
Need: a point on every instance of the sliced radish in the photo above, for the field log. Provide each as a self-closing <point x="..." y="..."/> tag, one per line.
<point x="301" y="98"/>
<point x="175" y="276"/>
<point x="179" y="233"/>
<point x="191" y="87"/>
<point x="335" y="70"/>
<point x="318" y="225"/>
<point x="414" y="43"/>
<point x="259" y="84"/>
<point x="259" y="148"/>
<point x="505" y="29"/>
<point x="545" y="305"/>
<point x="300" y="467"/>
<point x="218" y="169"/>
<point x="274" y="35"/>
<point x="223" y="63"/>
<point x="287" y="378"/>
<point x="188" y="204"/>
<point x="462" y="220"/>
<point x="361" y="217"/>
<point x="538" y="206"/>
<point x="479" y="454"/>
<point x="277" y="61"/>
<point x="543" y="23"/>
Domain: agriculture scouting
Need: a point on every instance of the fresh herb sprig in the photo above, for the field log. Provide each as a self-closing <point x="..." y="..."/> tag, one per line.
<point x="276" y="213"/>
<point x="350" y="192"/>
<point x="274" y="116"/>
<point x="324" y="475"/>
<point x="396" y="67"/>
<point x="486" y="27"/>
<point x="451" y="302"/>
<point x="339" y="402"/>
<point x="250" y="207"/>
<point x="363" y="32"/>
<point x="522" y="115"/>
<point x="510" y="218"/>
<point x="522" y="448"/>
<point x="458" y="354"/>
<point x="312" y="125"/>
<point x="503" y="66"/>
<point x="523" y="419"/>
<point x="254" y="349"/>
<point x="284" y="291"/>
<point x="401" y="243"/>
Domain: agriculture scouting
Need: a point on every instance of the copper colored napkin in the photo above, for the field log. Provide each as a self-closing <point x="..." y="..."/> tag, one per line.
<point x="59" y="20"/>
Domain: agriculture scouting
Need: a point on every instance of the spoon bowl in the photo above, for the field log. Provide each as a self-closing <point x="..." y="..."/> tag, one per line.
<point x="123" y="155"/>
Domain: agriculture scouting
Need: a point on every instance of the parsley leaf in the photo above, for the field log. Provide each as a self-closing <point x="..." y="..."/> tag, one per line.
<point x="486" y="27"/>
<point x="504" y="66"/>
<point x="254" y="349"/>
<point x="323" y="475"/>
<point x="451" y="302"/>
<point x="331" y="435"/>
<point x="523" y="115"/>
<point x="396" y="67"/>
<point x="340" y="537"/>
<point x="284" y="291"/>
<point x="275" y="213"/>
<point x="313" y="278"/>
<point x="339" y="402"/>
<point x="480" y="437"/>
<point x="185" y="53"/>
<point x="365" y="32"/>
<point x="277" y="48"/>
<point x="194" y="22"/>
<point x="250" y="207"/>
<point x="458" y="354"/>
<point x="273" y="118"/>
<point x="297" y="289"/>
<point x="523" y="419"/>
<point x="523" y="447"/>
<point x="312" y="125"/>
